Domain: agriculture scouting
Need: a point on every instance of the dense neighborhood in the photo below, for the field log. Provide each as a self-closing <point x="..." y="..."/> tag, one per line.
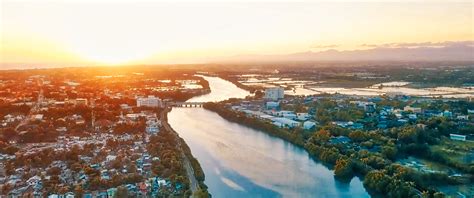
<point x="73" y="135"/>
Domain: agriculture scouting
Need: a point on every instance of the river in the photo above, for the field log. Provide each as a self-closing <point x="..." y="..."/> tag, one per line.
<point x="242" y="162"/>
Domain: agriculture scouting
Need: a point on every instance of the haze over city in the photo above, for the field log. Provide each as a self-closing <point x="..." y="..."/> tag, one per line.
<point x="79" y="33"/>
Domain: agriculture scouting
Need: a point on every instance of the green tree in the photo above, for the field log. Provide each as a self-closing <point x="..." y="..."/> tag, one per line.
<point x="343" y="168"/>
<point x="122" y="192"/>
<point x="377" y="181"/>
<point x="201" y="194"/>
<point x="358" y="136"/>
<point x="389" y="151"/>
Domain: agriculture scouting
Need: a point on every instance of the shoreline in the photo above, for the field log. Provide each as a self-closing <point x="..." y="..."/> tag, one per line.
<point x="359" y="169"/>
<point x="283" y="135"/>
<point x="191" y="164"/>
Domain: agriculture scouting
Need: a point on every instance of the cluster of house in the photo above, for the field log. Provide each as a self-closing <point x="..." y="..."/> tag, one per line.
<point x="61" y="94"/>
<point x="11" y="118"/>
<point x="33" y="186"/>
<point x="388" y="116"/>
<point x="282" y="119"/>
<point x="385" y="117"/>
<point x="269" y="111"/>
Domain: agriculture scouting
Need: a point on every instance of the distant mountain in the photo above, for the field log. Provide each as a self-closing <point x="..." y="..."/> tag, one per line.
<point x="445" y="53"/>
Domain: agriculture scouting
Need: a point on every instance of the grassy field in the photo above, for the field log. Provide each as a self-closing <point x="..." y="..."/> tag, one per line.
<point x="348" y="83"/>
<point x="458" y="151"/>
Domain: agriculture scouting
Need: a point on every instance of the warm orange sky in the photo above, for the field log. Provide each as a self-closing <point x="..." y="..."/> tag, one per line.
<point x="72" y="32"/>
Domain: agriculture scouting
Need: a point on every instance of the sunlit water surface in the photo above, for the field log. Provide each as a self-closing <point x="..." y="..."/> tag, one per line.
<point x="243" y="162"/>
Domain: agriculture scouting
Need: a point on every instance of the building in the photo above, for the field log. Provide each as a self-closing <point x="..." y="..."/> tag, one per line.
<point x="447" y="113"/>
<point x="150" y="101"/>
<point x="412" y="109"/>
<point x="125" y="107"/>
<point x="153" y="125"/>
<point x="302" y="116"/>
<point x="309" y="125"/>
<point x="285" y="122"/>
<point x="110" y="158"/>
<point x="457" y="137"/>
<point x="272" y="105"/>
<point x="274" y="93"/>
<point x="38" y="117"/>
<point x="81" y="102"/>
<point x="370" y="107"/>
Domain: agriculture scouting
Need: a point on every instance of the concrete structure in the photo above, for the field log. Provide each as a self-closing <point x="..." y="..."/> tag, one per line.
<point x="150" y="101"/>
<point x="274" y="93"/>
<point x="188" y="104"/>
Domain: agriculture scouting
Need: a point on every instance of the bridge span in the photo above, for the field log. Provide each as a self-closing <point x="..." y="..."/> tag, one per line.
<point x="188" y="104"/>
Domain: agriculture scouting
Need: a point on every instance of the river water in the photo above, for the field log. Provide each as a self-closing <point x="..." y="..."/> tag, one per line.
<point x="242" y="162"/>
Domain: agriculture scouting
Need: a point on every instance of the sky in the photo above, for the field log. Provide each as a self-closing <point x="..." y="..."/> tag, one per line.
<point x="74" y="32"/>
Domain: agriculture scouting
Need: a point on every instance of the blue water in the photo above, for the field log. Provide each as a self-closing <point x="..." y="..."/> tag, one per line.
<point x="242" y="162"/>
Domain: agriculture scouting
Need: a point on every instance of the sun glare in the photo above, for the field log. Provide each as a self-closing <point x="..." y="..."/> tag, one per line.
<point x="112" y="54"/>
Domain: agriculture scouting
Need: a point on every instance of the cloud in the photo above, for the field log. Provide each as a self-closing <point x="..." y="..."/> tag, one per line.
<point x="324" y="46"/>
<point x="422" y="44"/>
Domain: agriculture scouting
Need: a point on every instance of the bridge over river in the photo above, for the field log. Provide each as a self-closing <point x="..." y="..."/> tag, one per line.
<point x="188" y="104"/>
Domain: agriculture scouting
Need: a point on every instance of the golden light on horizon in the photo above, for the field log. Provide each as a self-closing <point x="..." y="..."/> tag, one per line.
<point x="108" y="32"/>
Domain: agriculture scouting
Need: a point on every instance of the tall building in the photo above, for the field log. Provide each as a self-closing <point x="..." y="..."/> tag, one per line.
<point x="150" y="101"/>
<point x="274" y="93"/>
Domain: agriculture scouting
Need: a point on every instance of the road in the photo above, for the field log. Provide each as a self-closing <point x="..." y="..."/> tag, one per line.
<point x="194" y="184"/>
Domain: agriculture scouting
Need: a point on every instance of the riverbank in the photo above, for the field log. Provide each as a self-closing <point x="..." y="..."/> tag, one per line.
<point x="194" y="171"/>
<point x="346" y="163"/>
<point x="237" y="83"/>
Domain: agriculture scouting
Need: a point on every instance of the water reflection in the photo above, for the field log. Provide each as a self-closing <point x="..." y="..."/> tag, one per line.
<point x="221" y="90"/>
<point x="242" y="162"/>
<point x="229" y="152"/>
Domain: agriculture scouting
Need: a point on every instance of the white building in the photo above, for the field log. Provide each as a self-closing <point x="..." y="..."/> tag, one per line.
<point x="457" y="137"/>
<point x="38" y="117"/>
<point x="303" y="116"/>
<point x="309" y="125"/>
<point x="110" y="158"/>
<point x="150" y="101"/>
<point x="274" y="93"/>
<point x="285" y="122"/>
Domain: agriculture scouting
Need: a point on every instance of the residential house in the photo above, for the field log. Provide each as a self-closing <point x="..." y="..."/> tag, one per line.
<point x="307" y="125"/>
